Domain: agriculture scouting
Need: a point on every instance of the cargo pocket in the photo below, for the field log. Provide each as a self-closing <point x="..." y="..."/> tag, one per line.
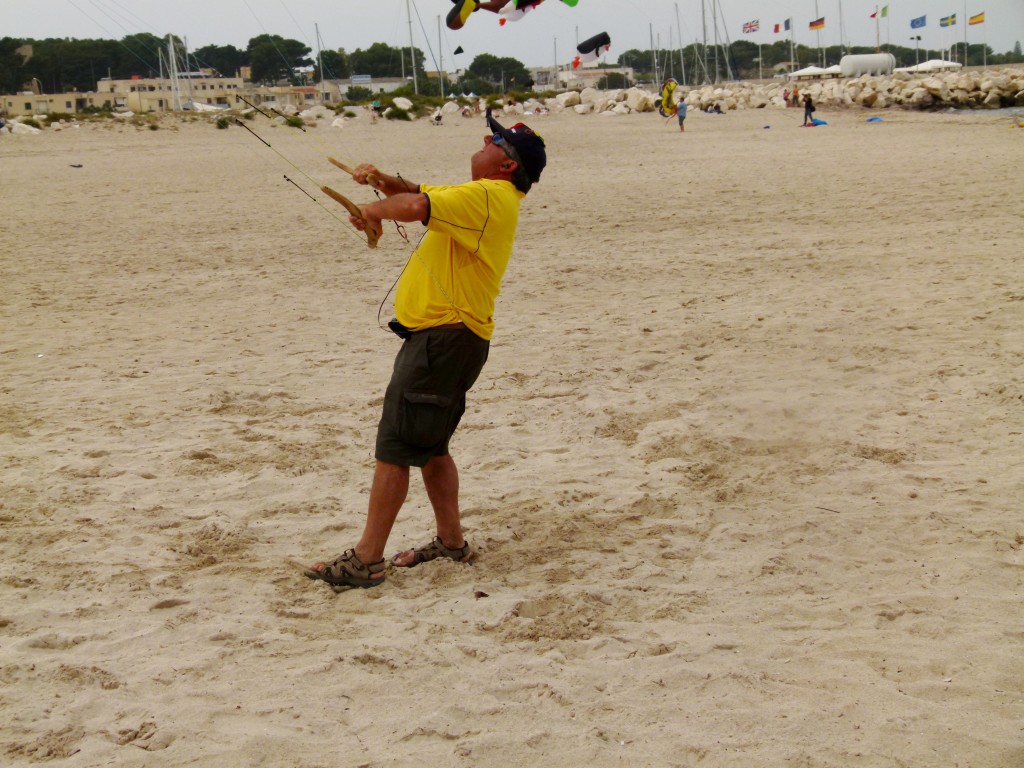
<point x="424" y="419"/>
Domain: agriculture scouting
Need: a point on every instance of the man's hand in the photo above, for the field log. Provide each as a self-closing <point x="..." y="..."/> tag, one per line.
<point x="366" y="222"/>
<point x="365" y="173"/>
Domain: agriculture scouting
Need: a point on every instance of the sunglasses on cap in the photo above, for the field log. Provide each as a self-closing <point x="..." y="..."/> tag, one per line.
<point x="500" y="141"/>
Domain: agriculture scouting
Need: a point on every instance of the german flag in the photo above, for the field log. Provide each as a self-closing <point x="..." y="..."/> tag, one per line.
<point x="817" y="24"/>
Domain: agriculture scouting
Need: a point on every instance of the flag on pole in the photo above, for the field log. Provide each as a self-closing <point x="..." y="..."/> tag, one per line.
<point x="817" y="24"/>
<point x="875" y="14"/>
<point x="948" y="21"/>
<point x="789" y="22"/>
<point x="919" y="22"/>
<point x="751" y="26"/>
<point x="777" y="28"/>
<point x="885" y="11"/>
<point x="977" y="19"/>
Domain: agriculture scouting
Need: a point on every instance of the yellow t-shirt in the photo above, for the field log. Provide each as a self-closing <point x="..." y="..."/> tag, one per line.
<point x="456" y="272"/>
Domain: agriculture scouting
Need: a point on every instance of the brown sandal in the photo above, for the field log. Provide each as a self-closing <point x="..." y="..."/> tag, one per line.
<point x="347" y="570"/>
<point x="433" y="551"/>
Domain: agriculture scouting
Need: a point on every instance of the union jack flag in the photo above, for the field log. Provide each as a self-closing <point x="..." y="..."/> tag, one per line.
<point x="751" y="26"/>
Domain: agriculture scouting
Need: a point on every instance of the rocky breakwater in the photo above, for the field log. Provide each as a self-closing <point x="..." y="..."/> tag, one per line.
<point x="991" y="88"/>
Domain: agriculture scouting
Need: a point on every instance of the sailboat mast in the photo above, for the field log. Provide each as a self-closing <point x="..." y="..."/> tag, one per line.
<point x="682" y="58"/>
<point x="440" y="56"/>
<point x="320" y="62"/>
<point x="412" y="55"/>
<point x="172" y="65"/>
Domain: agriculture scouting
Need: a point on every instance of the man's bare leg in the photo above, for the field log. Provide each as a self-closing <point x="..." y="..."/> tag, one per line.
<point x="390" y="487"/>
<point x="441" y="479"/>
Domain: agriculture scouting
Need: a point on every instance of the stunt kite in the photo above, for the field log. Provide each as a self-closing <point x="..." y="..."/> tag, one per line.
<point x="510" y="10"/>
<point x="591" y="50"/>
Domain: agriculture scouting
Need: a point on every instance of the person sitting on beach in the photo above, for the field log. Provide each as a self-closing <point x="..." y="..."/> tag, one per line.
<point x="444" y="308"/>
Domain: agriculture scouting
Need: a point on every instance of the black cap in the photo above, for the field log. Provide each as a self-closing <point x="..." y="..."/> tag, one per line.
<point x="527" y="144"/>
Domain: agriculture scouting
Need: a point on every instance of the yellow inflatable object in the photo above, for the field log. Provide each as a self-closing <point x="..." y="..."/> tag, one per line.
<point x="667" y="106"/>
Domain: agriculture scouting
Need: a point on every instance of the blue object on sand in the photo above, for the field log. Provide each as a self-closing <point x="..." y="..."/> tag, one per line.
<point x="816" y="121"/>
<point x="874" y="119"/>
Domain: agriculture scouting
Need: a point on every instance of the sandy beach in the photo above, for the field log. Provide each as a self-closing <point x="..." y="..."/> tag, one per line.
<point x="744" y="469"/>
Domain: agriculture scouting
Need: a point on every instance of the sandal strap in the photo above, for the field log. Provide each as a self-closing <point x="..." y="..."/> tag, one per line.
<point x="347" y="568"/>
<point x="436" y="549"/>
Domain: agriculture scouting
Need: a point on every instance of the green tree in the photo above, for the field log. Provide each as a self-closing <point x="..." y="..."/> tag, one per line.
<point x="612" y="81"/>
<point x="137" y="55"/>
<point x="381" y="60"/>
<point x="12" y="65"/>
<point x="273" y="59"/>
<point x="225" y="60"/>
<point x="501" y="71"/>
<point x="477" y="85"/>
<point x="335" y="64"/>
<point x="635" y="58"/>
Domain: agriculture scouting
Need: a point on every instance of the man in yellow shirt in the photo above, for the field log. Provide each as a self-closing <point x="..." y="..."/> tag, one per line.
<point x="444" y="308"/>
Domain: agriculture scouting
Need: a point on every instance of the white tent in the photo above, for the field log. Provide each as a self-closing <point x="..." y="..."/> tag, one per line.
<point x="932" y="65"/>
<point x="810" y="71"/>
<point x="816" y="72"/>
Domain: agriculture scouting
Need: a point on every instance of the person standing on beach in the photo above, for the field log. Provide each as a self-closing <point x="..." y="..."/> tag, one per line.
<point x="808" y="110"/>
<point x="444" y="307"/>
<point x="681" y="113"/>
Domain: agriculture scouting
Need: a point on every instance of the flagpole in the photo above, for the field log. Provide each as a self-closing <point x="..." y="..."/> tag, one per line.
<point x="888" y="27"/>
<point x="840" y="28"/>
<point x="967" y="23"/>
<point x="817" y="35"/>
<point x="792" y="44"/>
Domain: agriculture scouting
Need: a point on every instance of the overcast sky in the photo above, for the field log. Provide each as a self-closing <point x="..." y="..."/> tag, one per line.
<point x="550" y="31"/>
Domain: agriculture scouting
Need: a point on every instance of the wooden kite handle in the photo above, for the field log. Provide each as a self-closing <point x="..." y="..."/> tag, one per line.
<point x="372" y="178"/>
<point x="371" y="236"/>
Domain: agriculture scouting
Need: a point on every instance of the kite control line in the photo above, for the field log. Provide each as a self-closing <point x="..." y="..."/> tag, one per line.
<point x="353" y="209"/>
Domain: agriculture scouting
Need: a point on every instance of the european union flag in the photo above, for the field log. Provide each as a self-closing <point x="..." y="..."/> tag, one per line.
<point x="918" y="22"/>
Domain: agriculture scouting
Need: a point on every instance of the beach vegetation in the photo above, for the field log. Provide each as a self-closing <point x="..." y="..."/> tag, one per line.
<point x="223" y="122"/>
<point x="397" y="113"/>
<point x="31" y="122"/>
<point x="294" y="122"/>
<point x="358" y="93"/>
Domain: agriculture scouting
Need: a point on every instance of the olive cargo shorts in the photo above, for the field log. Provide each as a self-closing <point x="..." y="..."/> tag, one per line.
<point x="426" y="397"/>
